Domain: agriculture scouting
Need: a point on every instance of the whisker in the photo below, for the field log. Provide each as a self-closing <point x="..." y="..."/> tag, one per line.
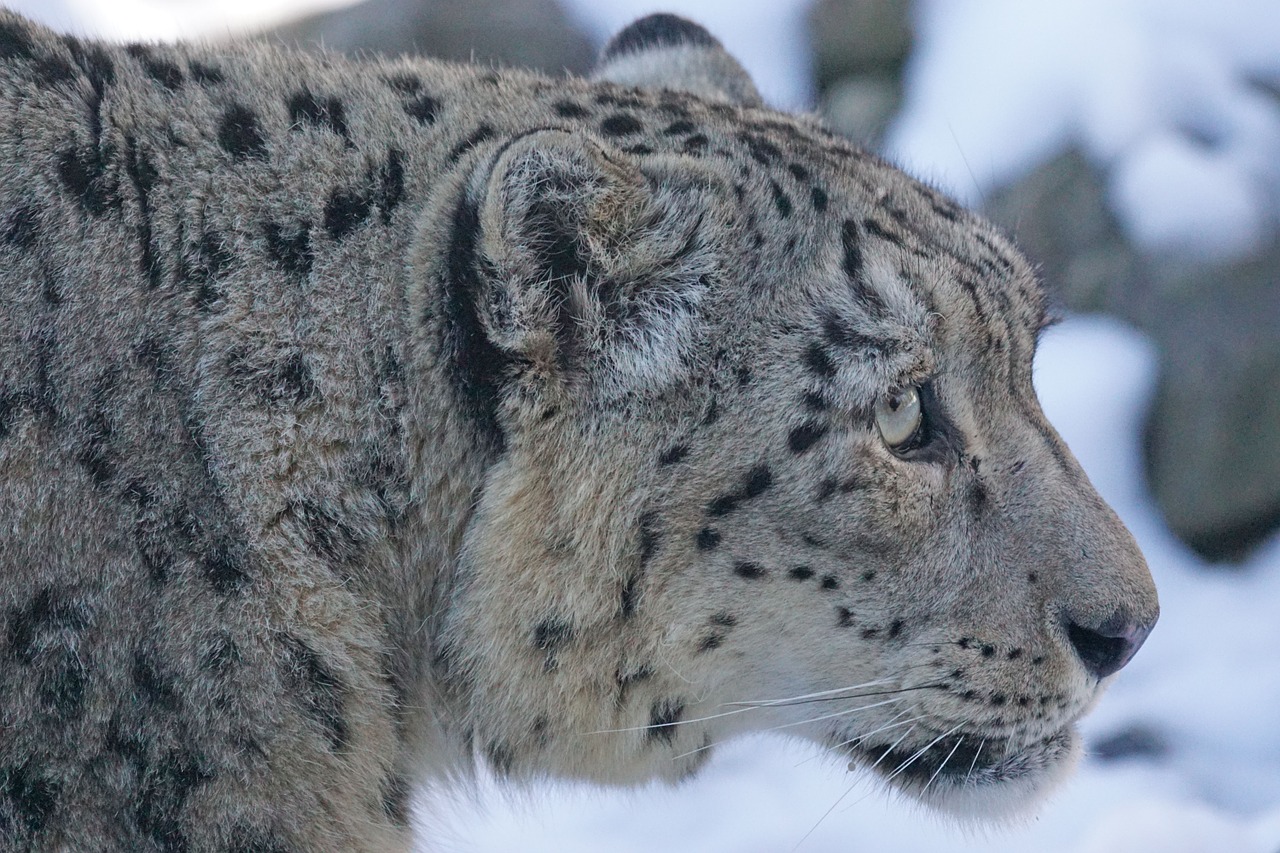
<point x="803" y="696"/>
<point x="912" y="760"/>
<point x="974" y="763"/>
<point x="780" y="704"/>
<point x="942" y="765"/>
<point x="847" y="792"/>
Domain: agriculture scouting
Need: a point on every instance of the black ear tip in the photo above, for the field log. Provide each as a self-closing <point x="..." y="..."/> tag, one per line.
<point x="659" y="30"/>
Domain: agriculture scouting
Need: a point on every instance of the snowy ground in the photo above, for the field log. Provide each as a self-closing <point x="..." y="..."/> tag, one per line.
<point x="996" y="85"/>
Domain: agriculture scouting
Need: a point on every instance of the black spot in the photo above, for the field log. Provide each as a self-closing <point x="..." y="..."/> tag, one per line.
<point x="211" y="257"/>
<point x="21" y="227"/>
<point x="819" y="197"/>
<point x="744" y="375"/>
<point x="630" y="596"/>
<point x="390" y="182"/>
<point x="423" y="108"/>
<point x="205" y="74"/>
<point x="289" y="247"/>
<point x="405" y="84"/>
<point x="818" y="362"/>
<point x="896" y="628"/>
<point x="345" y="211"/>
<point x="627" y="679"/>
<point x="750" y="571"/>
<point x="988" y="651"/>
<point x="759" y="479"/>
<point x="52" y="612"/>
<point x="815" y="402"/>
<point x="709" y="642"/>
<point x="15" y="42"/>
<point x="325" y="531"/>
<point x="306" y="108"/>
<point x="680" y="127"/>
<point x="845" y="617"/>
<point x="225" y="570"/>
<point x="34" y="795"/>
<point x="568" y="109"/>
<point x="648" y="536"/>
<point x="500" y="757"/>
<point x="663" y="717"/>
<point x="870" y="633"/>
<point x="806" y="435"/>
<point x="761" y="150"/>
<point x="1014" y="654"/>
<point x="868" y="576"/>
<point x="319" y="689"/>
<point x="620" y="124"/>
<point x="674" y="454"/>
<point x="1032" y="577"/>
<point x="874" y="228"/>
<point x="696" y="144"/>
<point x="655" y="31"/>
<point x="799" y="172"/>
<point x="143" y="174"/>
<point x="830" y="582"/>
<point x="62" y="690"/>
<point x="239" y="133"/>
<point x="707" y="539"/>
<point x="163" y="794"/>
<point x="724" y="620"/>
<point x="84" y="174"/>
<point x="780" y="200"/>
<point x="481" y="134"/>
<point x="851" y="241"/>
<point x="476" y="365"/>
<point x="163" y="71"/>
<point x="800" y="573"/>
<point x="840" y="332"/>
<point x="152" y="685"/>
<point x="549" y="636"/>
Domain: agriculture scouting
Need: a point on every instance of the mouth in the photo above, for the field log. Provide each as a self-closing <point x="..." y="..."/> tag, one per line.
<point x="968" y="774"/>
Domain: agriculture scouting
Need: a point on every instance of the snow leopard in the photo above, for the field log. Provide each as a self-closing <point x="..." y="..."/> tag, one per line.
<point x="367" y="422"/>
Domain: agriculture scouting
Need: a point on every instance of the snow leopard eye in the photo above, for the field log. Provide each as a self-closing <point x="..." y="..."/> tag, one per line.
<point x="898" y="417"/>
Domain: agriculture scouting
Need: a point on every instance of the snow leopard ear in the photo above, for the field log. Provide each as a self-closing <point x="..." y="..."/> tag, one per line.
<point x="571" y="266"/>
<point x="667" y="51"/>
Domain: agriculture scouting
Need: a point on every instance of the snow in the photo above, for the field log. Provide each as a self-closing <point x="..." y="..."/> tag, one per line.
<point x="1156" y="91"/>
<point x="1159" y="92"/>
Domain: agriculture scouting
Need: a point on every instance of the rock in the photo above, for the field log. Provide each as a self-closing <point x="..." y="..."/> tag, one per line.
<point x="861" y="107"/>
<point x="859" y="50"/>
<point x="1058" y="215"/>
<point x="1211" y="445"/>
<point x="534" y="34"/>
<point x="1136" y="740"/>
<point x="853" y="37"/>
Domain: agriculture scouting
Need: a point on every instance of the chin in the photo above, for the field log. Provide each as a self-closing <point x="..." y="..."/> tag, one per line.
<point x="968" y="779"/>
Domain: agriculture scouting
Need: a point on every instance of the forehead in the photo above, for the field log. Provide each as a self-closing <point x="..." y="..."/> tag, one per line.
<point x="873" y="260"/>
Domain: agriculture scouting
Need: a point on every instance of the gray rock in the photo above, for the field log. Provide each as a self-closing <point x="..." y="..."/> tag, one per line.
<point x="534" y="34"/>
<point x="853" y="37"/>
<point x="861" y="107"/>
<point x="859" y="50"/>
<point x="1212" y="437"/>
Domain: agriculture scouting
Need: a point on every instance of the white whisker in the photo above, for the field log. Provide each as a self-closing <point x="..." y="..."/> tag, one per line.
<point x="942" y="765"/>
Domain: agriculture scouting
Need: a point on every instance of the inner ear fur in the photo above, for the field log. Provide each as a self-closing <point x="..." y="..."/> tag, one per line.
<point x="591" y="267"/>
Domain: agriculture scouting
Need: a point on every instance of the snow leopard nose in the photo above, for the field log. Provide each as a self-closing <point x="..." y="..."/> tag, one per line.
<point x="1106" y="648"/>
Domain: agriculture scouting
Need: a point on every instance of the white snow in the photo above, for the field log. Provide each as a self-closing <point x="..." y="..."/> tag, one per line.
<point x="1155" y="90"/>
<point x="1160" y="92"/>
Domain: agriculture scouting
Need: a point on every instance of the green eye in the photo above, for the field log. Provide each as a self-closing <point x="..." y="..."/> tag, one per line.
<point x="898" y="416"/>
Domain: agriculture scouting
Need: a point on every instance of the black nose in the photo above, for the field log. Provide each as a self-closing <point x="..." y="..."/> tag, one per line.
<point x="1107" y="648"/>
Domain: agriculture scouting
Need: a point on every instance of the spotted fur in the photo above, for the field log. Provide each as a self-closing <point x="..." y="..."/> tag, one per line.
<point x="359" y="421"/>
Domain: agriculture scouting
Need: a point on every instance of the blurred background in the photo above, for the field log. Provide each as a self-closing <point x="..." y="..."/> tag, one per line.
<point x="1132" y="148"/>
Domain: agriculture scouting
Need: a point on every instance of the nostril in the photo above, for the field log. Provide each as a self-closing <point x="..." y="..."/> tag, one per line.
<point x="1107" y="650"/>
